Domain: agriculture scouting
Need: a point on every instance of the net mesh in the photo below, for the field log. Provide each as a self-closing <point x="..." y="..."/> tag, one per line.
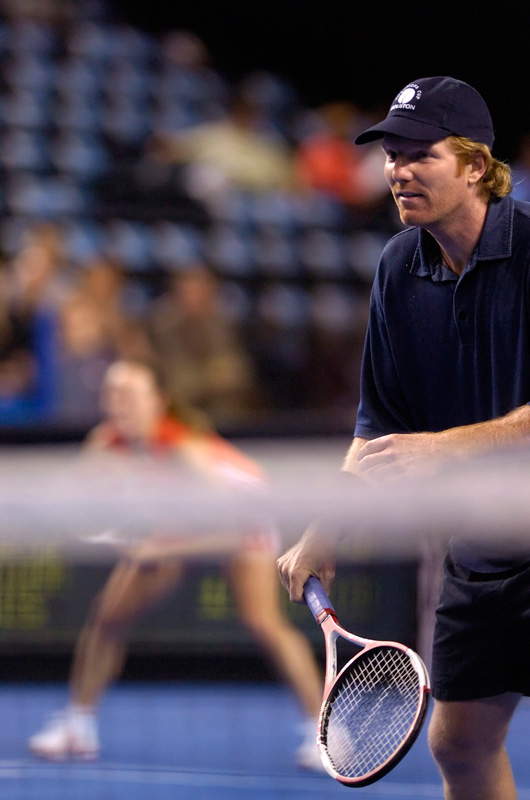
<point x="54" y="494"/>
<point x="373" y="708"/>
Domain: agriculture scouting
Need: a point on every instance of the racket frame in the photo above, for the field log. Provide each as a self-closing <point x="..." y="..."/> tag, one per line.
<point x="324" y="613"/>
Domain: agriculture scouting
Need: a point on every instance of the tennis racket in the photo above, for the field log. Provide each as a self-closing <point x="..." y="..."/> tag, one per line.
<point x="374" y="709"/>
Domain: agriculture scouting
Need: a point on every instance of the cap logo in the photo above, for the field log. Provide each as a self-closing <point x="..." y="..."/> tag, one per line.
<point x="406" y="95"/>
<point x="404" y="98"/>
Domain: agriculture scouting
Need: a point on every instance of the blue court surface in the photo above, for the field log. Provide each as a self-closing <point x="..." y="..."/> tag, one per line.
<point x="199" y="741"/>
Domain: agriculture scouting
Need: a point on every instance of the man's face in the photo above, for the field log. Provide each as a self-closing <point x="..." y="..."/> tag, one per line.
<point x="429" y="186"/>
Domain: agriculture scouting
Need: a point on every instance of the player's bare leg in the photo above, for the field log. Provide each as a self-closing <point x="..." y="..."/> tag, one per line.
<point x="256" y="591"/>
<point x="99" y="656"/>
<point x="467" y="740"/>
<point x="130" y="590"/>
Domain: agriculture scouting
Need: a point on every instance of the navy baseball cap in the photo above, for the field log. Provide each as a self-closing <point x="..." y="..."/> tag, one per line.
<point x="430" y="109"/>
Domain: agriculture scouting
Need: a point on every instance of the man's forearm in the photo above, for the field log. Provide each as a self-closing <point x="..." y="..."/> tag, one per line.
<point x="351" y="460"/>
<point x="394" y="454"/>
<point x="466" y="440"/>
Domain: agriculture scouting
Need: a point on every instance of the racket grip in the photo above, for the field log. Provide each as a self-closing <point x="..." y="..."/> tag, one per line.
<point x="317" y="599"/>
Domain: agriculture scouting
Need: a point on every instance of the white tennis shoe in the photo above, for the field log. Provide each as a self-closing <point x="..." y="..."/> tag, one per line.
<point x="73" y="735"/>
<point x="308" y="754"/>
<point x="67" y="735"/>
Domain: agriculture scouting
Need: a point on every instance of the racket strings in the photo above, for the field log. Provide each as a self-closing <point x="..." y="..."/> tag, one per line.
<point x="373" y="708"/>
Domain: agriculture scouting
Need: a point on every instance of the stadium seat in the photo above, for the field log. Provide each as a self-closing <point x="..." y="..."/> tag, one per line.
<point x="22" y="149"/>
<point x="131" y="243"/>
<point x="27" y="108"/>
<point x="78" y="153"/>
<point x="286" y="306"/>
<point x="323" y="253"/>
<point x="44" y="197"/>
<point x="176" y="245"/>
<point x="274" y="253"/>
<point x="229" y="251"/>
<point x="364" y="249"/>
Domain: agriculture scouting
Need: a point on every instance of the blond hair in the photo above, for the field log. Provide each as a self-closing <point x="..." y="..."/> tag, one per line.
<point x="497" y="179"/>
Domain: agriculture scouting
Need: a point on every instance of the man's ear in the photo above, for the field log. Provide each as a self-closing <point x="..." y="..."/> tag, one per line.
<point x="478" y="167"/>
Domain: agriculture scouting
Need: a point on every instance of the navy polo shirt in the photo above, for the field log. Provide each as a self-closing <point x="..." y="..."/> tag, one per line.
<point x="444" y="350"/>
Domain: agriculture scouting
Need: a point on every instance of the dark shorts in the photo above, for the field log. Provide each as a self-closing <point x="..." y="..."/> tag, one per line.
<point x="482" y="634"/>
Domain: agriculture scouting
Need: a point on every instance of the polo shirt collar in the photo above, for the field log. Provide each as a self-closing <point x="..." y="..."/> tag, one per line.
<point x="495" y="243"/>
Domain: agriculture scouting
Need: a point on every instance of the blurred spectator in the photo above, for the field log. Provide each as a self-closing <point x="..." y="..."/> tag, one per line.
<point x="273" y="99"/>
<point x="42" y="275"/>
<point x="188" y="89"/>
<point x="97" y="326"/>
<point x="327" y="159"/>
<point x="184" y="91"/>
<point x="103" y="280"/>
<point x="278" y="341"/>
<point x="336" y="336"/>
<point x="85" y="350"/>
<point x="521" y="169"/>
<point x="238" y="152"/>
<point x="39" y="279"/>
<point x="54" y="12"/>
<point x="121" y="304"/>
<point x="17" y="359"/>
<point x="200" y="351"/>
<point x="148" y="188"/>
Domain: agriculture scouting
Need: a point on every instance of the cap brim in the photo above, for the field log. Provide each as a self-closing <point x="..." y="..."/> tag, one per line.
<point x="405" y="127"/>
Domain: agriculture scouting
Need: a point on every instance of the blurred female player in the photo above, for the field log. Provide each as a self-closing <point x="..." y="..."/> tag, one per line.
<point x="137" y="420"/>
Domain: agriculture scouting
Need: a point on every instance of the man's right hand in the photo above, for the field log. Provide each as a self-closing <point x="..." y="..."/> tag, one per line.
<point x="313" y="554"/>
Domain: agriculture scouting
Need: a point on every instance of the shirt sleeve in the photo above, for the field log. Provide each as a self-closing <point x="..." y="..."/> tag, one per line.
<point x="382" y="407"/>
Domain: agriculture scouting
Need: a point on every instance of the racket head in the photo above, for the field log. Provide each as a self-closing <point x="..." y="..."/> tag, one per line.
<point x="373" y="713"/>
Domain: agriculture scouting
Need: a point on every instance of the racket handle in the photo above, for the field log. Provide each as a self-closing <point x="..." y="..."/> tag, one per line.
<point x="317" y="599"/>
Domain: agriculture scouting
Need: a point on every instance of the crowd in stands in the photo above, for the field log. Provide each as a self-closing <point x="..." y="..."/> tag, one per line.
<point x="151" y="209"/>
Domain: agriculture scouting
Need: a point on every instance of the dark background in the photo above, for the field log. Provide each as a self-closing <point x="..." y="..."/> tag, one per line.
<point x="365" y="52"/>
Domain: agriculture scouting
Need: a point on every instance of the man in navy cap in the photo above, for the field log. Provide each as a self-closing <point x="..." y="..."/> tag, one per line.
<point x="446" y="376"/>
